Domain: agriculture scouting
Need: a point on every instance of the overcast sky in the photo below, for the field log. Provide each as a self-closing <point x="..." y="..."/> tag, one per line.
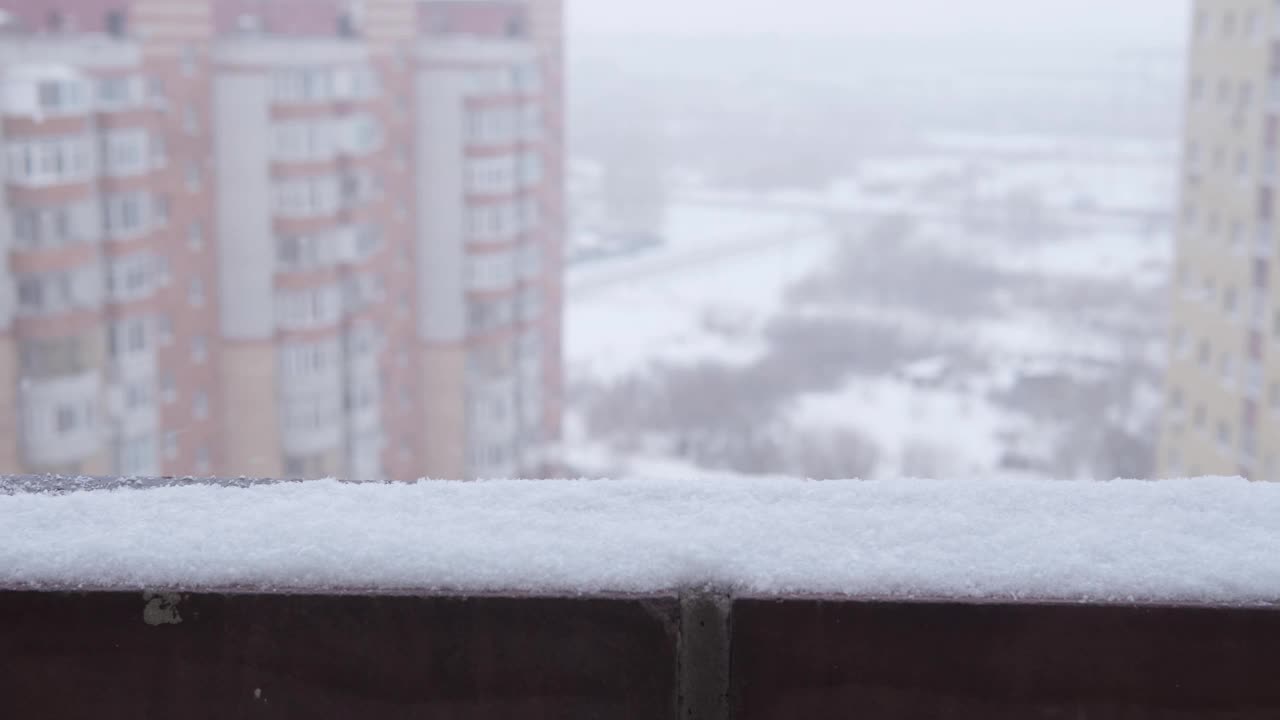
<point x="1148" y="20"/>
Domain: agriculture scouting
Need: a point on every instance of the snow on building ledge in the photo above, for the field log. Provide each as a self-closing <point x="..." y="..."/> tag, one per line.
<point x="1205" y="541"/>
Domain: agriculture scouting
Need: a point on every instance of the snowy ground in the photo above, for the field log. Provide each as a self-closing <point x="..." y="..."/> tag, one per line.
<point x="702" y="296"/>
<point x="1073" y="241"/>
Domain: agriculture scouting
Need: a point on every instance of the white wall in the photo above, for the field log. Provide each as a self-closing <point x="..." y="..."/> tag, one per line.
<point x="246" y="244"/>
<point x="441" y="211"/>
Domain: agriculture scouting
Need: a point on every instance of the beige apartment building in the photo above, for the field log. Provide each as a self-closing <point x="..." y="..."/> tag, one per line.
<point x="302" y="238"/>
<point x="1222" y="410"/>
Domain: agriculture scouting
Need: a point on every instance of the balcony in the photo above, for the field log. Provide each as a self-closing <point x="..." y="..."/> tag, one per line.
<point x="656" y="602"/>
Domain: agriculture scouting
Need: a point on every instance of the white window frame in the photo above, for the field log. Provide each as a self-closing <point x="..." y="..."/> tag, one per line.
<point x="50" y="161"/>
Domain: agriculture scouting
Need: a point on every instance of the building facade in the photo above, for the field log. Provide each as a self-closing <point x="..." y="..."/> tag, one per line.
<point x="1222" y="405"/>
<point x="246" y="240"/>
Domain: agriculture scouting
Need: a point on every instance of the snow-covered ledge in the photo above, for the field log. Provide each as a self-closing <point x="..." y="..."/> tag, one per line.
<point x="1205" y="541"/>
<point x="700" y="600"/>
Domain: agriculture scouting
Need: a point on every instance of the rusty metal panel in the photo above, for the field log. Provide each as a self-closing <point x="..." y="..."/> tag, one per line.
<point x="130" y="655"/>
<point x="883" y="660"/>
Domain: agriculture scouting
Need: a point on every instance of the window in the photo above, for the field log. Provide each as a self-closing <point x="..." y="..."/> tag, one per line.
<point x="168" y="388"/>
<point x="492" y="175"/>
<point x="359" y="186"/>
<point x="200" y="405"/>
<point x="116" y="23"/>
<point x="1244" y="96"/>
<point x="362" y="394"/>
<point x="1198" y="416"/>
<point x="1229" y="302"/>
<point x="59" y="291"/>
<point x="133" y="277"/>
<point x="195" y="292"/>
<point x="130" y="335"/>
<point x="362" y="83"/>
<point x="361" y="290"/>
<point x="190" y="121"/>
<point x="164" y="329"/>
<point x="308" y="85"/>
<point x="130" y="214"/>
<point x="193" y="177"/>
<point x="1226" y="369"/>
<point x="312" y="412"/>
<point x="188" y="60"/>
<point x="299" y="140"/>
<point x="50" y="161"/>
<point x="62" y="97"/>
<point x="368" y="238"/>
<point x="530" y="260"/>
<point x="531" y="168"/>
<point x="136" y="456"/>
<point x="159" y="209"/>
<point x="195" y="236"/>
<point x="531" y="122"/>
<point x="203" y="463"/>
<point x="363" y="134"/>
<point x="1224" y="434"/>
<point x="528" y="79"/>
<point x="530" y="213"/>
<point x="487" y="315"/>
<point x="530" y="303"/>
<point x="138" y="395"/>
<point x="66" y="419"/>
<point x="309" y="308"/>
<point x="1212" y="225"/>
<point x="199" y="350"/>
<point x="307" y="197"/>
<point x="1235" y="237"/>
<point x="156" y="90"/>
<point x="45" y="358"/>
<point x="1197" y="90"/>
<point x="492" y="270"/>
<point x="54" y="226"/>
<point x="308" y="360"/>
<point x="492" y="126"/>
<point x="171" y="445"/>
<point x="1203" y="353"/>
<point x="307" y="252"/>
<point x="119" y="92"/>
<point x="493" y="222"/>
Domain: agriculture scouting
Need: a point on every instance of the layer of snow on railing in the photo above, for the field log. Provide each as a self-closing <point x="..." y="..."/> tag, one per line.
<point x="1188" y="540"/>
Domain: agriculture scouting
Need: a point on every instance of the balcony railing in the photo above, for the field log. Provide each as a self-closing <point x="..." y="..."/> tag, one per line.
<point x="707" y="647"/>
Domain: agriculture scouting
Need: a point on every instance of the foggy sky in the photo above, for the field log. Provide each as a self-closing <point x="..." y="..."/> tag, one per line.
<point x="1162" y="21"/>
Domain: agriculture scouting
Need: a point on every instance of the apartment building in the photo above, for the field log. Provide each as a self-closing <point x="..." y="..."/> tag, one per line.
<point x="1223" y="387"/>
<point x="249" y="238"/>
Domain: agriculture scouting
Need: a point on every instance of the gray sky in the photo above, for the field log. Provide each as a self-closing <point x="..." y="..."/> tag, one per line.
<point x="1153" y="20"/>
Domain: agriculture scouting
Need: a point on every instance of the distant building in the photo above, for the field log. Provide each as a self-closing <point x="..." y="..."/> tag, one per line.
<point x="285" y="238"/>
<point x="1222" y="404"/>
